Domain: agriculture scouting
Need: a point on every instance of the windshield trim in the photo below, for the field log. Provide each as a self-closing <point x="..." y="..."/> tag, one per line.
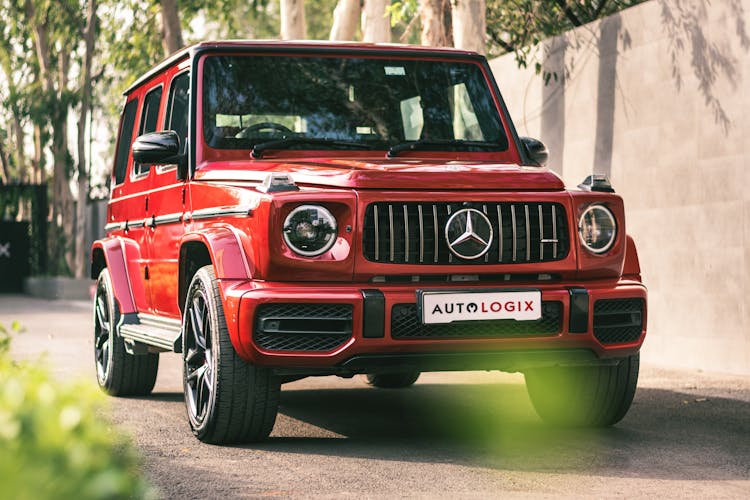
<point x="508" y="146"/>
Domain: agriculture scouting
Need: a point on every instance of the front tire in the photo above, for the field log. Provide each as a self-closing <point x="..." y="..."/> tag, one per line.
<point x="591" y="396"/>
<point x="227" y="399"/>
<point x="117" y="372"/>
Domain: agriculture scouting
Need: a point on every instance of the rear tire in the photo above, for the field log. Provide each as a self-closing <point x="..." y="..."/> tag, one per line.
<point x="117" y="372"/>
<point x="591" y="396"/>
<point x="392" y="380"/>
<point x="227" y="399"/>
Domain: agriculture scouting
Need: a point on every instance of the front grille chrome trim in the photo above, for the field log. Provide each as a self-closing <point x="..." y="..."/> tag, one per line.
<point x="413" y="232"/>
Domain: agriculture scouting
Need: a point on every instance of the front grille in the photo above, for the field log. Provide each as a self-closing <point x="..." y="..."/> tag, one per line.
<point x="414" y="233"/>
<point x="618" y="321"/>
<point x="302" y="326"/>
<point x="406" y="324"/>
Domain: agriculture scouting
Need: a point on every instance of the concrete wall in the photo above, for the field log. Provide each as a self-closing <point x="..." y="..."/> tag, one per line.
<point x="658" y="97"/>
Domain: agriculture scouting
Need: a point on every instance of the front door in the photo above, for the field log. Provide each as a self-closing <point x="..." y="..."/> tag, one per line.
<point x="167" y="206"/>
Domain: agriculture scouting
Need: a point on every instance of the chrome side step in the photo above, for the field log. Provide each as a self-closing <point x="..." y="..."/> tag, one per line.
<point x="144" y="333"/>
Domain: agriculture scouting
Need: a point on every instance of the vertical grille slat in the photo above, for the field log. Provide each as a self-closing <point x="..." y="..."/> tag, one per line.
<point x="513" y="226"/>
<point x="421" y="234"/>
<point x="392" y="233"/>
<point x="528" y="233"/>
<point x="541" y="234"/>
<point x="554" y="232"/>
<point x="499" y="234"/>
<point x="523" y="232"/>
<point x="435" y="225"/>
<point x="376" y="234"/>
<point x="406" y="233"/>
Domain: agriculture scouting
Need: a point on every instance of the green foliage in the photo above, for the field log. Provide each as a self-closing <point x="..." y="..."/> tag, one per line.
<point x="6" y="335"/>
<point x="518" y="25"/>
<point x="55" y="441"/>
<point x="402" y="12"/>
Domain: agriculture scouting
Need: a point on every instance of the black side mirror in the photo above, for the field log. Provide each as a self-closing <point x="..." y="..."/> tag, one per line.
<point x="157" y="148"/>
<point x="536" y="151"/>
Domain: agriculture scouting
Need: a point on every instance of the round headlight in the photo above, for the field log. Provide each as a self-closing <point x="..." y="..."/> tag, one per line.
<point x="310" y="230"/>
<point x="597" y="229"/>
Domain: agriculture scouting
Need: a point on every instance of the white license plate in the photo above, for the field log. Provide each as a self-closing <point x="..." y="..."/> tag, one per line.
<point x="446" y="307"/>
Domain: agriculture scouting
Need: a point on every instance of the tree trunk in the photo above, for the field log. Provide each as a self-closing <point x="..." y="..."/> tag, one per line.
<point x="376" y="24"/>
<point x="345" y="19"/>
<point x="41" y="39"/>
<point x="20" y="154"/>
<point x="38" y="162"/>
<point x="63" y="203"/>
<point x="4" y="169"/>
<point x="62" y="198"/>
<point x="435" y="26"/>
<point x="293" y="25"/>
<point x="89" y="38"/>
<point x="171" y="32"/>
<point x="469" y="25"/>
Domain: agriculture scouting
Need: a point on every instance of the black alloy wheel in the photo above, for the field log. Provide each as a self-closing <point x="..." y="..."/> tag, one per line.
<point x="228" y="400"/>
<point x="118" y="373"/>
<point x="199" y="370"/>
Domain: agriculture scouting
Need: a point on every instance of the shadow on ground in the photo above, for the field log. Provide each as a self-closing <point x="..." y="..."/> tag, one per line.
<point x="494" y="426"/>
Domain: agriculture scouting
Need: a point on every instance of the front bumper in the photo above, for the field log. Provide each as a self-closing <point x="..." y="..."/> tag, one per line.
<point x="367" y="340"/>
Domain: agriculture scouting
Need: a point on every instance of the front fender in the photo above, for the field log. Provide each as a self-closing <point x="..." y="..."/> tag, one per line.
<point x="632" y="267"/>
<point x="225" y="246"/>
<point x="121" y="257"/>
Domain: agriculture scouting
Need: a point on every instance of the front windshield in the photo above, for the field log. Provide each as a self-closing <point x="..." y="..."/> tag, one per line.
<point x="248" y="100"/>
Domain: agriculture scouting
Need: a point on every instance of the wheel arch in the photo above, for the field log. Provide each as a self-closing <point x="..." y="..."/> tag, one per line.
<point x="220" y="247"/>
<point x="113" y="254"/>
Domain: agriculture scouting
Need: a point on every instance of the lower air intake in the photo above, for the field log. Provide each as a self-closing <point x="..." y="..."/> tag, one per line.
<point x="618" y="321"/>
<point x="302" y="326"/>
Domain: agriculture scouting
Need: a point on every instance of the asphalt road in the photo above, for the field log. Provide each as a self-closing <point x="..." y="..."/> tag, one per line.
<point x="453" y="435"/>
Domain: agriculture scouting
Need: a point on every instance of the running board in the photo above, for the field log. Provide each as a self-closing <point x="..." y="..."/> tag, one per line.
<point x="143" y="332"/>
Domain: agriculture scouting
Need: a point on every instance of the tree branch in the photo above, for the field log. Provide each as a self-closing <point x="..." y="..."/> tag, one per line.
<point x="569" y="12"/>
<point x="599" y="8"/>
<point x="502" y="43"/>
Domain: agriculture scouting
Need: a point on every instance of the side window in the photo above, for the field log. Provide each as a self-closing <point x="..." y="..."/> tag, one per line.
<point x="123" y="142"/>
<point x="177" y="107"/>
<point x="149" y="117"/>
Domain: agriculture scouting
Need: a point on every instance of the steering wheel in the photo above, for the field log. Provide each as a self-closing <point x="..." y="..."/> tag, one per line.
<point x="257" y="127"/>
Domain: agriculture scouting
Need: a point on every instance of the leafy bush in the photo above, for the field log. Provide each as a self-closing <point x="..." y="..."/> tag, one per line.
<point x="55" y="440"/>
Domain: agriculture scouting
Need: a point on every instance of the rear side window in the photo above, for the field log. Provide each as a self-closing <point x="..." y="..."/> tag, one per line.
<point x="123" y="142"/>
<point x="177" y="107"/>
<point x="149" y="118"/>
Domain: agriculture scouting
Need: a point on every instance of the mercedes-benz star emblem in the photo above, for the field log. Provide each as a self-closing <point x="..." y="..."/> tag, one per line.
<point x="468" y="234"/>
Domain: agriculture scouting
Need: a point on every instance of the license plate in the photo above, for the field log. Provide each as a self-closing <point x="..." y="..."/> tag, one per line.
<point x="447" y="307"/>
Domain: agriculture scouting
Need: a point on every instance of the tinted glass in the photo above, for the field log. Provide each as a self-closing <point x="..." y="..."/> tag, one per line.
<point x="177" y="107"/>
<point x="380" y="102"/>
<point x="123" y="142"/>
<point x="149" y="117"/>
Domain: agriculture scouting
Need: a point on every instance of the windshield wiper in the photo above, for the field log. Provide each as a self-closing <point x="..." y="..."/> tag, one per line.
<point x="293" y="141"/>
<point x="428" y="143"/>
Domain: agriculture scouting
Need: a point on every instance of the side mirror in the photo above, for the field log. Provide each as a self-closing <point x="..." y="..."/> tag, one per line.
<point x="536" y="151"/>
<point x="157" y="148"/>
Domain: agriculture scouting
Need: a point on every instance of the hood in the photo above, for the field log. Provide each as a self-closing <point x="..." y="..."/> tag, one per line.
<point x="388" y="174"/>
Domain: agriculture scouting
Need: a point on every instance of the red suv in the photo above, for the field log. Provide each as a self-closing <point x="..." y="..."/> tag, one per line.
<point x="281" y="210"/>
